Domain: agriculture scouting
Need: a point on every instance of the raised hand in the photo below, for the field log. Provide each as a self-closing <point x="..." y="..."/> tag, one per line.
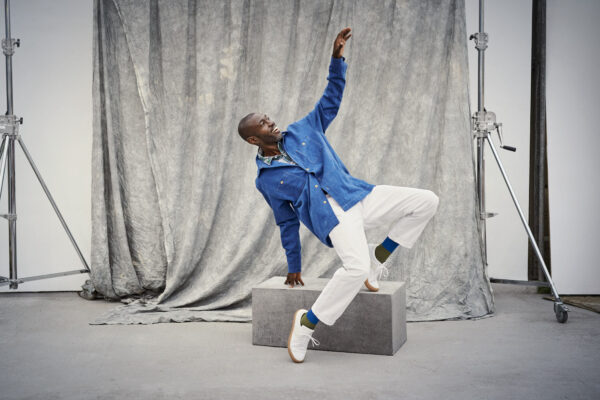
<point x="340" y="42"/>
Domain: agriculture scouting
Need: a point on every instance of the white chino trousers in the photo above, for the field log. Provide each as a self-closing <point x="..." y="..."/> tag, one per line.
<point x="404" y="210"/>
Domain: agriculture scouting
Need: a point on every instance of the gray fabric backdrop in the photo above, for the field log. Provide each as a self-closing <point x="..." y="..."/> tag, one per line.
<point x="180" y="232"/>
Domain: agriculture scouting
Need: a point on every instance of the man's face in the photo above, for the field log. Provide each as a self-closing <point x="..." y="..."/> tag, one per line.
<point x="263" y="130"/>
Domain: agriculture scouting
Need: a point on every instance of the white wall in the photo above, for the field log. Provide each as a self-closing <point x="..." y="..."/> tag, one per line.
<point x="52" y="80"/>
<point x="507" y="93"/>
<point x="573" y="90"/>
<point x="572" y="86"/>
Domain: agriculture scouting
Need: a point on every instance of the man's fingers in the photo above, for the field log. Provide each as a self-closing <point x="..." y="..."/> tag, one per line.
<point x="293" y="280"/>
<point x="343" y="33"/>
<point x="348" y="36"/>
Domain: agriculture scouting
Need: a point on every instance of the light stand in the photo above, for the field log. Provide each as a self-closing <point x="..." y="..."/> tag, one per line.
<point x="9" y="128"/>
<point x="483" y="125"/>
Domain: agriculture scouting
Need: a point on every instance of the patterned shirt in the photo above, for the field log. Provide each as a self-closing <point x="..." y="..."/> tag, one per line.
<point x="283" y="157"/>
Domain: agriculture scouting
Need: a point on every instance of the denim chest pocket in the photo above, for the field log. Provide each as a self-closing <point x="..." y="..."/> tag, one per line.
<point x="308" y="148"/>
<point x="291" y="184"/>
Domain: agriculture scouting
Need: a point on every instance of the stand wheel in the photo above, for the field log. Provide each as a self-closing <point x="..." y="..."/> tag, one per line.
<point x="561" y="312"/>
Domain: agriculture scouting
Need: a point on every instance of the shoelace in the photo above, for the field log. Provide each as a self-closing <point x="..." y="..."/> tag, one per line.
<point x="382" y="270"/>
<point x="314" y="341"/>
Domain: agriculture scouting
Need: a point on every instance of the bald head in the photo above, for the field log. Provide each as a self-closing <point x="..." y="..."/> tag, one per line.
<point x="245" y="126"/>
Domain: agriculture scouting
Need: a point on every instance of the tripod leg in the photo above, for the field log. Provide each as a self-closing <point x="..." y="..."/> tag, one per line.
<point x="559" y="308"/>
<point x="3" y="151"/>
<point x="64" y="224"/>
<point x="481" y="196"/>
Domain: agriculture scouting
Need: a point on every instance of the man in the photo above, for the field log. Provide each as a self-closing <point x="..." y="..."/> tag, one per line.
<point x="302" y="179"/>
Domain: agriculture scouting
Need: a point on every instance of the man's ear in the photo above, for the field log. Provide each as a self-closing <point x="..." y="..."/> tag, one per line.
<point x="252" y="140"/>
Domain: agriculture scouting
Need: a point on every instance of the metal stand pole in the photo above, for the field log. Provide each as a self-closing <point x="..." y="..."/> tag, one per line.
<point x="9" y="128"/>
<point x="484" y="124"/>
<point x="480" y="177"/>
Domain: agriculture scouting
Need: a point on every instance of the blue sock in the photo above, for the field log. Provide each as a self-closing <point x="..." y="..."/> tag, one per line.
<point x="383" y="251"/>
<point x="389" y="244"/>
<point x="309" y="319"/>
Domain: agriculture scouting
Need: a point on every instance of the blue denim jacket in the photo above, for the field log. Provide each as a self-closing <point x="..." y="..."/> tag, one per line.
<point x="295" y="192"/>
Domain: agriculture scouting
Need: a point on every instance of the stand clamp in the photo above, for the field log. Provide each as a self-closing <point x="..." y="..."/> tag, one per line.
<point x="9" y="48"/>
<point x="9" y="125"/>
<point x="13" y="283"/>
<point x="481" y="40"/>
<point x="484" y="122"/>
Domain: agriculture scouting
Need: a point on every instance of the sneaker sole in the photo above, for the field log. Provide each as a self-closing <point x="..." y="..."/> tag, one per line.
<point x="370" y="287"/>
<point x="290" y="338"/>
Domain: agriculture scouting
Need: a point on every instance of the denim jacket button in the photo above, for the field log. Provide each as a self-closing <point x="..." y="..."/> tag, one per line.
<point x="324" y="201"/>
<point x="281" y="182"/>
<point x="316" y="186"/>
<point x="303" y="144"/>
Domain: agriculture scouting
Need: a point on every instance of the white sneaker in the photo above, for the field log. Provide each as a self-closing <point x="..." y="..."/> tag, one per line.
<point x="377" y="270"/>
<point x="299" y="337"/>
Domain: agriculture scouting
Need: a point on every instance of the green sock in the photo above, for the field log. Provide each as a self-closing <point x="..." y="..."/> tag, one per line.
<point x="304" y="321"/>
<point x="381" y="253"/>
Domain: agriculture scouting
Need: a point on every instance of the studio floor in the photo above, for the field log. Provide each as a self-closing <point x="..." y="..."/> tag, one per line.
<point x="49" y="351"/>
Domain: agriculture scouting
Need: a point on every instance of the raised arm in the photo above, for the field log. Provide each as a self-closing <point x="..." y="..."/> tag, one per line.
<point x="328" y="105"/>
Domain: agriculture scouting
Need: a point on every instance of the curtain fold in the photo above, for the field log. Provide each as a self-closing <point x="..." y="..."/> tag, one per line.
<point x="179" y="231"/>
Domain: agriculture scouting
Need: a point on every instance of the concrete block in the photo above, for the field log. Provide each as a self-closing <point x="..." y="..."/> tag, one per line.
<point x="373" y="323"/>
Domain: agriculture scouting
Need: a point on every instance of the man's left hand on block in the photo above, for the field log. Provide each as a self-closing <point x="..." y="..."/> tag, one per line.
<point x="294" y="278"/>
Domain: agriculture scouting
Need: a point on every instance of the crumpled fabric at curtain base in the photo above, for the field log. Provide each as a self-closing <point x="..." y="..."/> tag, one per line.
<point x="144" y="311"/>
<point x="140" y="312"/>
<point x="137" y="312"/>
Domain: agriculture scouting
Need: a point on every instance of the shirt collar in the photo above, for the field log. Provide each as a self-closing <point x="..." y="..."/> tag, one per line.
<point x="269" y="159"/>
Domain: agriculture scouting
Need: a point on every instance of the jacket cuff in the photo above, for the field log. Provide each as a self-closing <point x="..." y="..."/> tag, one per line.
<point x="338" y="65"/>
<point x="292" y="269"/>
